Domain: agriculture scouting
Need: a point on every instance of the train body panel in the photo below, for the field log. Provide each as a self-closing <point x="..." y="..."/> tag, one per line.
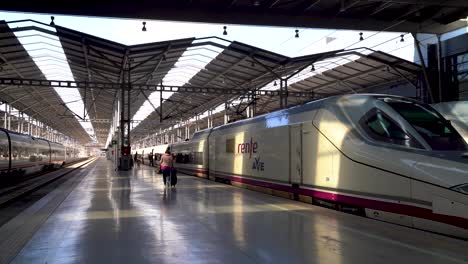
<point x="190" y="157"/>
<point x="57" y="154"/>
<point x="4" y="152"/>
<point x="23" y="154"/>
<point x="373" y="155"/>
<point x="156" y="151"/>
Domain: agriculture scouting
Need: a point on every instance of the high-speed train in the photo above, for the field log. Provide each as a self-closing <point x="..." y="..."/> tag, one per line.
<point x="156" y="151"/>
<point x="457" y="114"/>
<point x="380" y="156"/>
<point x="23" y="154"/>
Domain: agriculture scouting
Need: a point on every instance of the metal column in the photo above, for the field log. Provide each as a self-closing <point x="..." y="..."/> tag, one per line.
<point x="283" y="93"/>
<point x="125" y="149"/>
<point x="423" y="64"/>
<point x="5" y="124"/>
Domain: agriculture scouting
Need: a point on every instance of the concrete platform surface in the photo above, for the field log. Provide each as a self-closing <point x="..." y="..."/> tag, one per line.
<point x="128" y="217"/>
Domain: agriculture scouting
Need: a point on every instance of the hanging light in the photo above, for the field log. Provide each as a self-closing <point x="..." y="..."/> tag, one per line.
<point x="402" y="38"/>
<point x="297" y="33"/>
<point x="144" y="26"/>
<point x="52" y="21"/>
<point x="312" y="68"/>
<point x="361" y="38"/>
<point x="275" y="84"/>
<point x="225" y="31"/>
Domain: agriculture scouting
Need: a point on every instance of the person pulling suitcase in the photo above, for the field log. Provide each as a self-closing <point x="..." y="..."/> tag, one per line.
<point x="168" y="170"/>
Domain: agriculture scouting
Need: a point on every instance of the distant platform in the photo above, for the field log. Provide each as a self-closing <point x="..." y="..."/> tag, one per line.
<point x="109" y="216"/>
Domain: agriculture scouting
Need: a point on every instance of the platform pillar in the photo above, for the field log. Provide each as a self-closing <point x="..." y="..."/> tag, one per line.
<point x="125" y="161"/>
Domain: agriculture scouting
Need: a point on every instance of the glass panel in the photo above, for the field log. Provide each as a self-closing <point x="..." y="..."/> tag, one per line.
<point x="462" y="67"/>
<point x="383" y="127"/>
<point x="437" y="131"/>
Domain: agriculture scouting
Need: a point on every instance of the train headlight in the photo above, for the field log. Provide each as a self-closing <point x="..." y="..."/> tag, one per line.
<point x="463" y="188"/>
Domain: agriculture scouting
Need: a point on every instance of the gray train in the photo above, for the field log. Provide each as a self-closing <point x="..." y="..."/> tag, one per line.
<point x="23" y="154"/>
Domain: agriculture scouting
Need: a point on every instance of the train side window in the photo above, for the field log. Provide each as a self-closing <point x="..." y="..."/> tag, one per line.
<point x="4" y="152"/>
<point x="382" y="128"/>
<point x="14" y="153"/>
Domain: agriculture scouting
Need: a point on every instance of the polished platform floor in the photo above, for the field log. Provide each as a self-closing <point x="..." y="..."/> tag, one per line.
<point x="128" y="217"/>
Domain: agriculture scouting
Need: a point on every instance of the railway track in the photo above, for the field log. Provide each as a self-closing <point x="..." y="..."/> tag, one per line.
<point x="11" y="194"/>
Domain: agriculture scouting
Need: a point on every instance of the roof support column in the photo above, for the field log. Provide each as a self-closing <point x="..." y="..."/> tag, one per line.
<point x="283" y="93"/>
<point x="18" y="122"/>
<point x="423" y="64"/>
<point x="125" y="151"/>
<point x="22" y="123"/>
<point x="161" y="105"/>
<point x="5" y="124"/>
<point x="440" y="67"/>
<point x="210" y="118"/>
<point x="226" y="116"/>
<point x="9" y="117"/>
<point x="29" y="125"/>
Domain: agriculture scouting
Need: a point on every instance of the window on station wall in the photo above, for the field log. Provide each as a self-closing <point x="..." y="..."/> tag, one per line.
<point x="462" y="67"/>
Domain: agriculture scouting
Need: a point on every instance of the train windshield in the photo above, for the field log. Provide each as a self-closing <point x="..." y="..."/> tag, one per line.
<point x="437" y="131"/>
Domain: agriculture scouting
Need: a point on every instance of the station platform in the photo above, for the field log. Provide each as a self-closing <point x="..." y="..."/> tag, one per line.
<point x="111" y="216"/>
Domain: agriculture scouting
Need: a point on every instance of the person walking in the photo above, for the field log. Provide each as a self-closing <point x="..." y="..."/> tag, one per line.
<point x="166" y="164"/>
<point x="151" y="159"/>
<point x="136" y="159"/>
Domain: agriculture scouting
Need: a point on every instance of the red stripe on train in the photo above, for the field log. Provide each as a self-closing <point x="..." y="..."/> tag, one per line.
<point x="402" y="209"/>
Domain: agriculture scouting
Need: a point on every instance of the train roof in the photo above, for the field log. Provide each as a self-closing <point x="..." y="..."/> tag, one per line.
<point x="28" y="136"/>
<point x="310" y="106"/>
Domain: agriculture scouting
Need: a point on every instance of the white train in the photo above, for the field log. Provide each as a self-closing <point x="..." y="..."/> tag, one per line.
<point x="457" y="114"/>
<point x="23" y="154"/>
<point x="384" y="157"/>
<point x="155" y="151"/>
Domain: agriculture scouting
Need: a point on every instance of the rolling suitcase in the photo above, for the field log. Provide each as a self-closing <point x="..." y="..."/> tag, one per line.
<point x="173" y="176"/>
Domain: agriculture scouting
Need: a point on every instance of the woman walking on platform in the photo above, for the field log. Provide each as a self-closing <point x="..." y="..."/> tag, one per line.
<point x="166" y="163"/>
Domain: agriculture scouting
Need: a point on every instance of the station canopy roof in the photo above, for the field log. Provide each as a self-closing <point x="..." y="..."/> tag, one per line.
<point x="208" y="63"/>
<point x="426" y="16"/>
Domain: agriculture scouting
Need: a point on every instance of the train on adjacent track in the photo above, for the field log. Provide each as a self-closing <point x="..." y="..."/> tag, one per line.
<point x="23" y="154"/>
<point x="385" y="157"/>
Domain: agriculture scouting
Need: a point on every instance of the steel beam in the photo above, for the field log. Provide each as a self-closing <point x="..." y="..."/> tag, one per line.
<point x="161" y="88"/>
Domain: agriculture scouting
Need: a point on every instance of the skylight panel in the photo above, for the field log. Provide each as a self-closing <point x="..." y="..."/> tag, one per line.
<point x="189" y="64"/>
<point x="47" y="53"/>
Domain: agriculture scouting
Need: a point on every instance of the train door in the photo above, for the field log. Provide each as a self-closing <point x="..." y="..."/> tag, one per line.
<point x="295" y="151"/>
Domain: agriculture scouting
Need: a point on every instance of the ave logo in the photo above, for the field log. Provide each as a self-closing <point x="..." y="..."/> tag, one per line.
<point x="258" y="165"/>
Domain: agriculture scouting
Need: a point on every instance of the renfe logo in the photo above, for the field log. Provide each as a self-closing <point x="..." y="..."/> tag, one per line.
<point x="248" y="147"/>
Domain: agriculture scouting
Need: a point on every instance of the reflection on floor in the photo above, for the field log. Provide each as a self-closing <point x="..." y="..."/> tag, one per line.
<point x="128" y="217"/>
